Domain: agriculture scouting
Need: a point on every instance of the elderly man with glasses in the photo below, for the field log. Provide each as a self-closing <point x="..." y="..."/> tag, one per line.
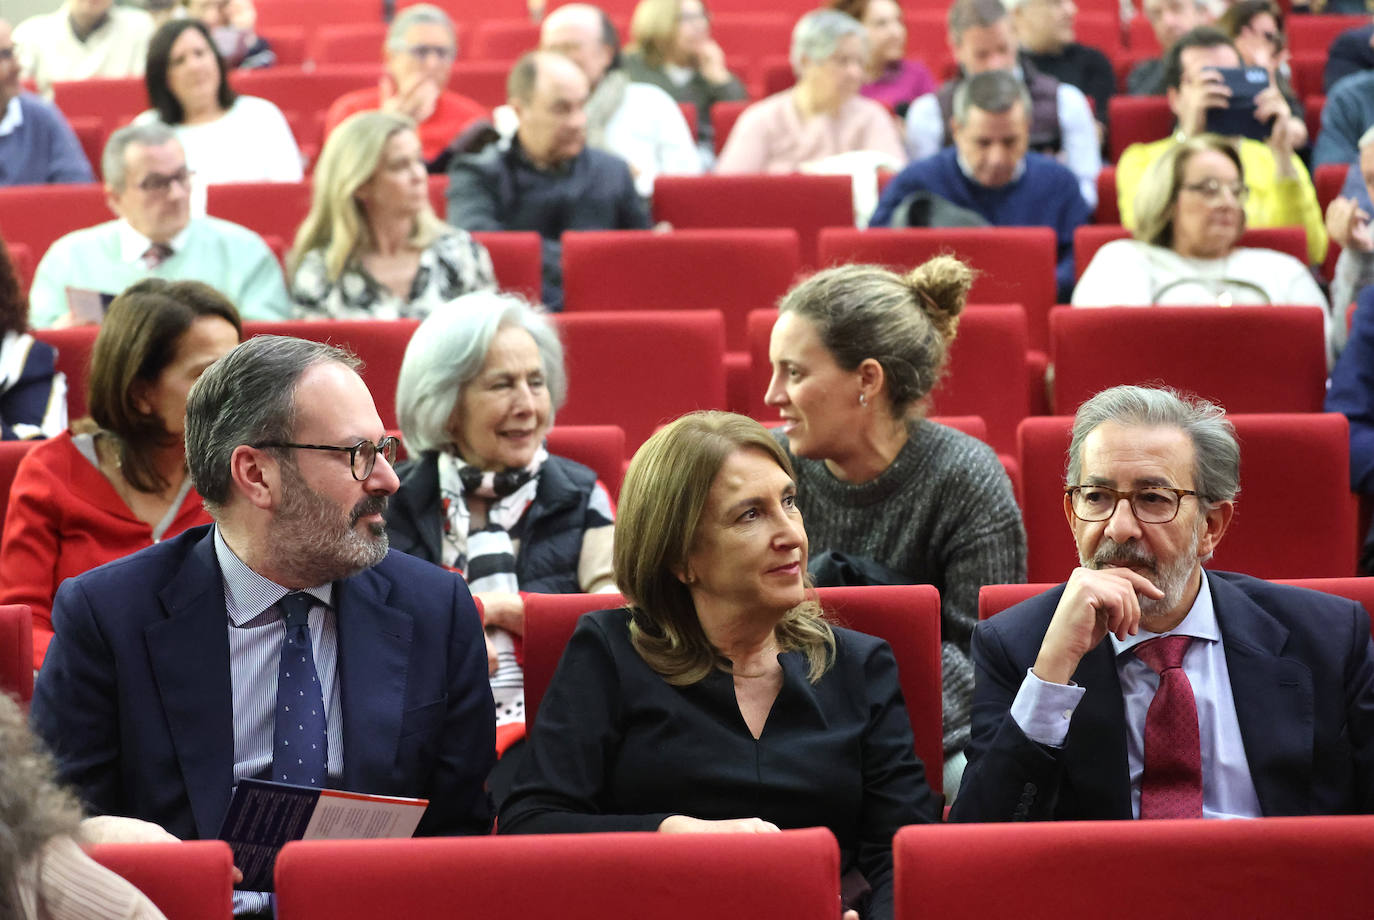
<point x="148" y="186"/>
<point x="1148" y="687"/>
<point x="421" y="46"/>
<point x="284" y="642"/>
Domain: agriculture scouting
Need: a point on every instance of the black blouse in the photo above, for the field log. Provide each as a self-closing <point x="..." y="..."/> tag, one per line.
<point x="617" y="748"/>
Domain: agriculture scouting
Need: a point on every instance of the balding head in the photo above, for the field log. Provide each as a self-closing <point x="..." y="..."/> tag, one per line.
<point x="585" y="34"/>
<point x="549" y="93"/>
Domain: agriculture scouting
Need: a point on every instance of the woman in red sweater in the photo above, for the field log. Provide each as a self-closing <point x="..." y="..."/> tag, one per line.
<point x="117" y="481"/>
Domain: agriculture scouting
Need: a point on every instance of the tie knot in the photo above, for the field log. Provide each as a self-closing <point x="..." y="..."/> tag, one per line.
<point x="297" y="606"/>
<point x="1164" y="653"/>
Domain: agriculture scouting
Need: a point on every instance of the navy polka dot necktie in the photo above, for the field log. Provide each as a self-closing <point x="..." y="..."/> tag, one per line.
<point x="299" y="743"/>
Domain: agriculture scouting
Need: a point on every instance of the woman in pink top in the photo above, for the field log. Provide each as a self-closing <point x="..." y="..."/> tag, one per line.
<point x="116" y="482"/>
<point x="893" y="78"/>
<point x="823" y="114"/>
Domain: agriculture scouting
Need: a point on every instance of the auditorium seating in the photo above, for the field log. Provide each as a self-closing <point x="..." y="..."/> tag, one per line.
<point x="36" y="215"/>
<point x="641" y="369"/>
<point x="516" y="258"/>
<point x="189" y="880"/>
<point x="794" y="875"/>
<point x="1012" y="264"/>
<point x="23" y="260"/>
<point x="803" y="202"/>
<point x="906" y="616"/>
<point x="1108" y="210"/>
<point x="1088" y="239"/>
<point x="723" y="117"/>
<point x="1311" y="35"/>
<point x="1136" y="120"/>
<point x="11" y="452"/>
<point x="351" y="43"/>
<point x="601" y="447"/>
<point x="1267" y="869"/>
<point x="16" y="651"/>
<point x="273" y="210"/>
<point x="1248" y="359"/>
<point x="993" y="599"/>
<point x="503" y="39"/>
<point x="114" y="99"/>
<point x="273" y="13"/>
<point x="74" y="360"/>
<point x="1295" y="515"/>
<point x="381" y="344"/>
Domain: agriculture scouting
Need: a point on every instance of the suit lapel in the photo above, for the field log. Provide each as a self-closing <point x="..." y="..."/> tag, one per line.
<point x="1099" y="774"/>
<point x="189" y="655"/>
<point x="1273" y="699"/>
<point x="374" y="655"/>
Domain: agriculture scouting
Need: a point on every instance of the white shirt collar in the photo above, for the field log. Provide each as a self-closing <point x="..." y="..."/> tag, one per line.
<point x="1200" y="623"/>
<point x="13" y="117"/>
<point x="968" y="170"/>
<point x="133" y="245"/>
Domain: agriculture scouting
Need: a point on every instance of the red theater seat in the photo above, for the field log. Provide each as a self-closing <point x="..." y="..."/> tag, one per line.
<point x="1136" y="120"/>
<point x="640" y="370"/>
<point x="794" y="874"/>
<point x="349" y="43"/>
<point x="1268" y="869"/>
<point x="22" y="258"/>
<point x="601" y="447"/>
<point x="723" y="118"/>
<point x="1108" y="211"/>
<point x="74" y="360"/>
<point x="267" y="208"/>
<point x="380" y="343"/>
<point x="191" y="880"/>
<point x="803" y="202"/>
<point x="1278" y="364"/>
<point x="481" y="81"/>
<point x="36" y="215"/>
<point x="273" y="13"/>
<point x="516" y="259"/>
<point x="503" y="39"/>
<point x="11" y="452"/>
<point x="906" y="616"/>
<point x="113" y="99"/>
<point x="1313" y="35"/>
<point x="1013" y="264"/>
<point x="1294" y="470"/>
<point x="16" y="650"/>
<point x="303" y="90"/>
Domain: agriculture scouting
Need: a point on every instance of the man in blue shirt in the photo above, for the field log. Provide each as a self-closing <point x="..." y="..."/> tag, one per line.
<point x="37" y="145"/>
<point x="989" y="170"/>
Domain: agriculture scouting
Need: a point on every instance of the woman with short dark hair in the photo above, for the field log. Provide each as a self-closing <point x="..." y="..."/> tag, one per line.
<point x="33" y="395"/>
<point x="227" y="137"/>
<point x="117" y="481"/>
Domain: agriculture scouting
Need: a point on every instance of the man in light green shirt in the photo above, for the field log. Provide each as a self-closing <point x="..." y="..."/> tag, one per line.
<point x="148" y="186"/>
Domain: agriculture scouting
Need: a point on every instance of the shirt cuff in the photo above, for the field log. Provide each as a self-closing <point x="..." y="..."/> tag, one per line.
<point x="1042" y="710"/>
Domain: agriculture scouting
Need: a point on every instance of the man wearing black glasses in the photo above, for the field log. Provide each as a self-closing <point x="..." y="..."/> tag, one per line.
<point x="1145" y="687"/>
<point x="283" y="642"/>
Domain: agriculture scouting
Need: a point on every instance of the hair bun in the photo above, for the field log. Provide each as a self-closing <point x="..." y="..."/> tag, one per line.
<point x="941" y="286"/>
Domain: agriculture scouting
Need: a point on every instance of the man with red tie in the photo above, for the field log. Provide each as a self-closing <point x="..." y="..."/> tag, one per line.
<point x="1147" y="687"/>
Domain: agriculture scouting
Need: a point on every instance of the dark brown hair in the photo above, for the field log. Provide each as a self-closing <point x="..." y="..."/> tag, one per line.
<point x="137" y="341"/>
<point x="160" y="94"/>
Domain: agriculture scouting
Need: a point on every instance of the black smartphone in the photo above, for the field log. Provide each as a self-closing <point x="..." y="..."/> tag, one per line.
<point x="1238" y="118"/>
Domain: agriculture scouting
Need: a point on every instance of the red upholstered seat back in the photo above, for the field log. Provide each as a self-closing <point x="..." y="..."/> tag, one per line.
<point x="1270" y="869"/>
<point x="1136" y="120"/>
<point x="789" y="876"/>
<point x="191" y="880"/>
<point x="1248" y="359"/>
<point x="1294" y="473"/>
<point x="36" y="215"/>
<point x="1014" y="264"/>
<point x="906" y="616"/>
<point x="516" y="259"/>
<point x="601" y="447"/>
<point x="73" y="346"/>
<point x="16" y="651"/>
<point x="641" y="369"/>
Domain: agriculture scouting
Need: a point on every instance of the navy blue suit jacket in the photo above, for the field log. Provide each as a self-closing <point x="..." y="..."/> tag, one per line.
<point x="134" y="698"/>
<point x="1302" y="673"/>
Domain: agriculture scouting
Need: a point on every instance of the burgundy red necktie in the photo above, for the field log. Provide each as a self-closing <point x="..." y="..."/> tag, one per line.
<point x="1172" y="783"/>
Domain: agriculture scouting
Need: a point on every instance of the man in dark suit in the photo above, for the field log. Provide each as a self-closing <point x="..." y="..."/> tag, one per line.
<point x="1280" y="681"/>
<point x="160" y="690"/>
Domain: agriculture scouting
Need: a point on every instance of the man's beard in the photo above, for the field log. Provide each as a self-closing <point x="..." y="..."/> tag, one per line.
<point x="1171" y="576"/>
<point x="313" y="543"/>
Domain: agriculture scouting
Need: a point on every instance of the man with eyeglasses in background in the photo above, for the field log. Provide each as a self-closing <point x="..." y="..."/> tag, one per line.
<point x="418" y="56"/>
<point x="1146" y="687"/>
<point x="148" y="186"/>
<point x="1281" y="193"/>
<point x="37" y="145"/>
<point x="286" y="641"/>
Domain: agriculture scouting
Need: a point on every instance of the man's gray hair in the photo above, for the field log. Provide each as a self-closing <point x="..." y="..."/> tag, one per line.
<point x="994" y="92"/>
<point x="1216" y="465"/>
<point x="973" y="14"/>
<point x="1366" y="139"/>
<point x="421" y="14"/>
<point x="112" y="166"/>
<point x="247" y="397"/>
<point x="817" y="34"/>
<point x="448" y="351"/>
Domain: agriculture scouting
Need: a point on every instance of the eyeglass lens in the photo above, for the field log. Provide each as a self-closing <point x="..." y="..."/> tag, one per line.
<point x="1150" y="506"/>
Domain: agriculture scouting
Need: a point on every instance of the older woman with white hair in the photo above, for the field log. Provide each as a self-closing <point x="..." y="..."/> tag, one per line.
<point x="371" y="246"/>
<point x="479" y="385"/>
<point x="823" y="115"/>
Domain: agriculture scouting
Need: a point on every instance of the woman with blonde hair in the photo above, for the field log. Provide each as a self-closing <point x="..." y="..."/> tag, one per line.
<point x="719" y="700"/>
<point x="371" y="246"/>
<point x="855" y="352"/>
<point x="1190" y="214"/>
<point x="671" y="47"/>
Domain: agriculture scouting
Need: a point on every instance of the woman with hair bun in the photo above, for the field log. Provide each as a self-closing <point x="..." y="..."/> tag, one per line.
<point x="855" y="352"/>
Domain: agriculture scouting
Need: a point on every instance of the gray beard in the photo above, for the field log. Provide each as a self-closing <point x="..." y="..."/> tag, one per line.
<point x="1171" y="576"/>
<point x="315" y="545"/>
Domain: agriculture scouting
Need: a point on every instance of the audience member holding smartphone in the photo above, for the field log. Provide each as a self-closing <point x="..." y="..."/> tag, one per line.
<point x="1280" y="189"/>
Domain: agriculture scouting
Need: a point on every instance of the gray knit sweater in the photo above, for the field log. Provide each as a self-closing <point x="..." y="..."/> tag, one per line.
<point x="943" y="514"/>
